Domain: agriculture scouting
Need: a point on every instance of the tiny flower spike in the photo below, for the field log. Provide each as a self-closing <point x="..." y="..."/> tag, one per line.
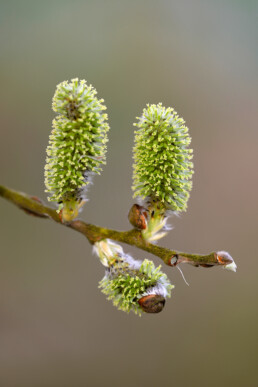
<point x="77" y="145"/>
<point x="163" y="168"/>
<point x="131" y="284"/>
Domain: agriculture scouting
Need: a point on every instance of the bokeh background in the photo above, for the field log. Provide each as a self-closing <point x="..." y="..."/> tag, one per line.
<point x="201" y="57"/>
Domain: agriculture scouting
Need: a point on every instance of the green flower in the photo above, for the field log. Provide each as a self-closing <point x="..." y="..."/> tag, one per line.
<point x="163" y="168"/>
<point x="77" y="144"/>
<point x="128" y="281"/>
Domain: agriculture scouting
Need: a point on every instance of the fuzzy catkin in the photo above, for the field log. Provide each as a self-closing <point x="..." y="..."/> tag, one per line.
<point x="128" y="280"/>
<point x="125" y="286"/>
<point x="77" y="144"/>
<point x="162" y="168"/>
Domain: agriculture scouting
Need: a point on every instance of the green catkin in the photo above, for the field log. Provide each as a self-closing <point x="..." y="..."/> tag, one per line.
<point x="163" y="168"/>
<point x="77" y="144"/>
<point x="125" y="286"/>
<point x="128" y="280"/>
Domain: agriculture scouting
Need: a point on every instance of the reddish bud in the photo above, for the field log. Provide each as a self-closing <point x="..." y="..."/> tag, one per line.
<point x="173" y="260"/>
<point x="138" y="216"/>
<point x="153" y="303"/>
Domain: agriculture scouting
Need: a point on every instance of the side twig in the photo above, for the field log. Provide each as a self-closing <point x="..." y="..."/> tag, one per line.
<point x="34" y="206"/>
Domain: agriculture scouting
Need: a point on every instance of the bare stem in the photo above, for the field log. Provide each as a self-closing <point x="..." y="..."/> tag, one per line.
<point x="34" y="206"/>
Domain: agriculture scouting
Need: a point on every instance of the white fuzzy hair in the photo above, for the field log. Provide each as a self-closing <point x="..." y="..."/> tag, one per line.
<point x="159" y="289"/>
<point x="133" y="263"/>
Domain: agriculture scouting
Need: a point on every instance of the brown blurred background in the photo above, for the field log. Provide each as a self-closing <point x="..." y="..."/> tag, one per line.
<point x="201" y="57"/>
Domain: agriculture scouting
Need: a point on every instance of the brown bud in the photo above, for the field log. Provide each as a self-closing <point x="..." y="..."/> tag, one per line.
<point x="153" y="303"/>
<point x="224" y="258"/>
<point x="173" y="260"/>
<point x="138" y="216"/>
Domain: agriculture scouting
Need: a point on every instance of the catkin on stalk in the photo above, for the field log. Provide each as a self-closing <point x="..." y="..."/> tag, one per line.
<point x="77" y="144"/>
<point x="163" y="168"/>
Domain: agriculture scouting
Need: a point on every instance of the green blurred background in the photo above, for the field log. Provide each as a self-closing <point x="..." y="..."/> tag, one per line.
<point x="201" y="57"/>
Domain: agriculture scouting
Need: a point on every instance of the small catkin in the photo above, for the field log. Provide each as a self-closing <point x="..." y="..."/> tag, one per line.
<point x="77" y="144"/>
<point x="128" y="280"/>
<point x="163" y="168"/>
<point x="125" y="287"/>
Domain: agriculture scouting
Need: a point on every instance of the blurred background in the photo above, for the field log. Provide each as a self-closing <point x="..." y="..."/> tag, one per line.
<point x="56" y="328"/>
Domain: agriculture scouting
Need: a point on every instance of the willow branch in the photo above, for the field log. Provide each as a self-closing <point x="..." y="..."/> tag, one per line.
<point x="34" y="206"/>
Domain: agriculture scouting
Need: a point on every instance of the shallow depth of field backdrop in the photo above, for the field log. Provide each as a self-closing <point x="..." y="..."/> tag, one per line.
<point x="56" y="328"/>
